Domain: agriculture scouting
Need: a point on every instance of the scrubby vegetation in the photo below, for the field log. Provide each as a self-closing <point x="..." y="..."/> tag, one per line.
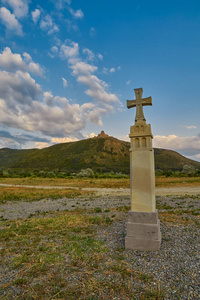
<point x="84" y="173"/>
<point x="187" y="171"/>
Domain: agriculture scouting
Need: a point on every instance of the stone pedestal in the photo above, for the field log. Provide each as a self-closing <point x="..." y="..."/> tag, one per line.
<point x="143" y="231"/>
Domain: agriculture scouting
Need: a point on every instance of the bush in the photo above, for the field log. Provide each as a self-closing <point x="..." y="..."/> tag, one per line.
<point x="189" y="170"/>
<point x="86" y="173"/>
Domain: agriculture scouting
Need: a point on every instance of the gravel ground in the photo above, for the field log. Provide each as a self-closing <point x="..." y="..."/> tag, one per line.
<point x="175" y="268"/>
<point x="24" y="209"/>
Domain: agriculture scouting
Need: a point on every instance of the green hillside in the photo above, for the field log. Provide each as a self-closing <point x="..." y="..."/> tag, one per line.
<point x="100" y="154"/>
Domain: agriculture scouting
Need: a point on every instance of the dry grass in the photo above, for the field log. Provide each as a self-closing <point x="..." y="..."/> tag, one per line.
<point x="101" y="182"/>
<point x="177" y="218"/>
<point x="177" y="181"/>
<point x="32" y="194"/>
<point x="59" y="257"/>
<point x="72" y="182"/>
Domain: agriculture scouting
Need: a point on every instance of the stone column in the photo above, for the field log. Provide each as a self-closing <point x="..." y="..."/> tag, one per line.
<point x="143" y="227"/>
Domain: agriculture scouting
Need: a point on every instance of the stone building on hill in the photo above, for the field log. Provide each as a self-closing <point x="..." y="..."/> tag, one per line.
<point x="102" y="134"/>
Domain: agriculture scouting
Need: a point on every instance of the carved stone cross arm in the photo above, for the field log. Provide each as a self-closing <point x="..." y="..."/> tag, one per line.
<point x="139" y="103"/>
<point x="145" y="102"/>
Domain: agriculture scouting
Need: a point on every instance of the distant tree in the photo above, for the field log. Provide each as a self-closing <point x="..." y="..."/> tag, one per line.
<point x="189" y="170"/>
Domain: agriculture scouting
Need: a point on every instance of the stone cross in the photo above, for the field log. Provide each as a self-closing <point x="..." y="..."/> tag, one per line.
<point x="139" y="103"/>
<point x="143" y="226"/>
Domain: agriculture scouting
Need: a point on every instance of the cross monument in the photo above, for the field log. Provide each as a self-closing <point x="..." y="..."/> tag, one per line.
<point x="139" y="103"/>
<point x="143" y="227"/>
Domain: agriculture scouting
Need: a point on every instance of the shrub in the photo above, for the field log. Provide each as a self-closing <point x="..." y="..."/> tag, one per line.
<point x="85" y="173"/>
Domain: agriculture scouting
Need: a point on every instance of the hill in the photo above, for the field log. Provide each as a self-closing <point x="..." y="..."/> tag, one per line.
<point x="101" y="154"/>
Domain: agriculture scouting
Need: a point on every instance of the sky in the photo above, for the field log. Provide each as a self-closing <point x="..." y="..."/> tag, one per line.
<point x="67" y="68"/>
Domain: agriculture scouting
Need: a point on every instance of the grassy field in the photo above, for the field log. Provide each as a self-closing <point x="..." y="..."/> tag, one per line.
<point x="101" y="182"/>
<point x="61" y="255"/>
<point x="32" y="194"/>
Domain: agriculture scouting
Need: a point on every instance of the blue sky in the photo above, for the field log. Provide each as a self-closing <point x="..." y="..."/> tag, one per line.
<point x="67" y="68"/>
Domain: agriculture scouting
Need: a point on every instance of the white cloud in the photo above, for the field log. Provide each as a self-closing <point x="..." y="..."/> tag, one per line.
<point x="76" y="13"/>
<point x="92" y="32"/>
<point x="59" y="4"/>
<point x="99" y="56"/>
<point x="189" y="126"/>
<point x="48" y="98"/>
<point x="105" y="70"/>
<point x="89" y="53"/>
<point x="70" y="51"/>
<point x="35" y="68"/>
<point x="63" y="140"/>
<point x="71" y="26"/>
<point x="87" y="106"/>
<point x="24" y="106"/>
<point x="89" y="136"/>
<point x="13" y="139"/>
<point x="54" y="29"/>
<point x="124" y="138"/>
<point x="54" y="49"/>
<point x="20" y="7"/>
<point x="47" y="24"/>
<point x="128" y="82"/>
<point x="41" y="145"/>
<point x="35" y="15"/>
<point x="10" y="21"/>
<point x="112" y="70"/>
<point x="10" y="61"/>
<point x="188" y="146"/>
<point x="80" y="67"/>
<point x="97" y="89"/>
<point x="27" y="57"/>
<point x="64" y="82"/>
<point x="20" y="109"/>
<point x="13" y="62"/>
<point x="92" y="135"/>
<point x="83" y="71"/>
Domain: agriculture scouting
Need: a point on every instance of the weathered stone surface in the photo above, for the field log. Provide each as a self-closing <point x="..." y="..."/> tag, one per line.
<point x="142" y="244"/>
<point x="143" y="231"/>
<point x="143" y="217"/>
<point x="147" y="231"/>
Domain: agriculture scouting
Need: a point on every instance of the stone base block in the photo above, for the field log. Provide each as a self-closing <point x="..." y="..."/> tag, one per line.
<point x="143" y="231"/>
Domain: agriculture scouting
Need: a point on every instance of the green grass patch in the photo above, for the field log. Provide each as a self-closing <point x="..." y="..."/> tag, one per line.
<point x="60" y="257"/>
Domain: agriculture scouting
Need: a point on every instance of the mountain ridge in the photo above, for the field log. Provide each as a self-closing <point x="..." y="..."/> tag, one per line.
<point x="101" y="154"/>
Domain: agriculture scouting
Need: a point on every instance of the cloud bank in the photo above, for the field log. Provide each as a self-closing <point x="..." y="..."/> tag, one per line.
<point x="188" y="146"/>
<point x="25" y="106"/>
